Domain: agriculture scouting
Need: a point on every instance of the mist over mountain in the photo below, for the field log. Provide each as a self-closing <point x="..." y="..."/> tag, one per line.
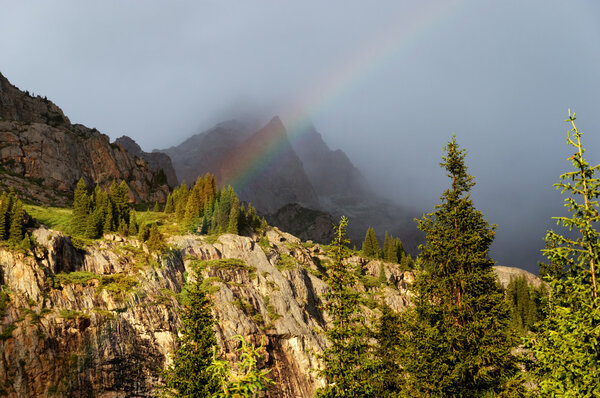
<point x="272" y="170"/>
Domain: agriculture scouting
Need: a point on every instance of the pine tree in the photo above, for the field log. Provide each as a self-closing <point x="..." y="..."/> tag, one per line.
<point x="370" y="246"/>
<point x="143" y="232"/>
<point x="188" y="375"/>
<point x="347" y="361"/>
<point x="81" y="207"/>
<point x="26" y="243"/>
<point x="15" y="235"/>
<point x="169" y="207"/>
<point x="388" y="369"/>
<point x="567" y="345"/>
<point x="456" y="340"/>
<point x="133" y="224"/>
<point x="3" y="215"/>
<point x="234" y="216"/>
<point x="156" y="241"/>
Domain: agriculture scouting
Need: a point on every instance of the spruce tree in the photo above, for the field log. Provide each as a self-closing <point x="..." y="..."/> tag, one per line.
<point x="388" y="368"/>
<point x="15" y="235"/>
<point x="370" y="246"/>
<point x="81" y="207"/>
<point x="3" y="215"/>
<point x="189" y="375"/>
<point x="455" y="340"/>
<point x="133" y="224"/>
<point x="348" y="366"/>
<point x="156" y="241"/>
<point x="169" y="207"/>
<point x="567" y="344"/>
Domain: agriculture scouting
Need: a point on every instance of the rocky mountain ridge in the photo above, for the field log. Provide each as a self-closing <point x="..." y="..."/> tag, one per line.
<point x="43" y="155"/>
<point x="101" y="321"/>
<point x="272" y="170"/>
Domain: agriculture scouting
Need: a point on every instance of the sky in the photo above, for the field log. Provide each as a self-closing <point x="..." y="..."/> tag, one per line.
<point x="388" y="82"/>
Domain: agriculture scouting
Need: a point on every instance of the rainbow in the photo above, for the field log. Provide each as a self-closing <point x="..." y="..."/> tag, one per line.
<point x="389" y="43"/>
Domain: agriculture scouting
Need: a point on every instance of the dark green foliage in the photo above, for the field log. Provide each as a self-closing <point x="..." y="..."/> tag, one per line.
<point x="101" y="212"/>
<point x="15" y="235"/>
<point x="189" y="374"/>
<point x="156" y="242"/>
<point x="169" y="206"/>
<point x="26" y="243"/>
<point x="4" y="219"/>
<point x="133" y="224"/>
<point x="348" y="370"/>
<point x="81" y="206"/>
<point x="387" y="366"/>
<point x="205" y="210"/>
<point x="393" y="250"/>
<point x="370" y="246"/>
<point x="566" y="346"/>
<point x="456" y="340"/>
<point x="144" y="232"/>
<point x="523" y="301"/>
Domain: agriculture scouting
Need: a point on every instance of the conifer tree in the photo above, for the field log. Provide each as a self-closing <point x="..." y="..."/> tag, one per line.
<point x="234" y="216"/>
<point x="348" y="369"/>
<point x="387" y="367"/>
<point x="15" y="235"/>
<point x="370" y="246"/>
<point x="133" y="224"/>
<point x="143" y="232"/>
<point x="567" y="344"/>
<point x="169" y="207"/>
<point x="156" y="241"/>
<point x="26" y="243"/>
<point x="456" y="340"/>
<point x="189" y="375"/>
<point x="81" y="207"/>
<point x="3" y="215"/>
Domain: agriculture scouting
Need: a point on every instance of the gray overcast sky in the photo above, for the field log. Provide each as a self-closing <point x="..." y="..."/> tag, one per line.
<point x="387" y="81"/>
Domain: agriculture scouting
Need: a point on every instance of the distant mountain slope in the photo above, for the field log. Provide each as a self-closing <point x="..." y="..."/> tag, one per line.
<point x="271" y="171"/>
<point x="261" y="165"/>
<point x="43" y="155"/>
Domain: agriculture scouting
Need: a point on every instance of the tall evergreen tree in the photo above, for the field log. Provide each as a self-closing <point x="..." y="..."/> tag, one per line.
<point x="3" y="215"/>
<point x="348" y="365"/>
<point x="567" y="345"/>
<point x="370" y="246"/>
<point x="15" y="235"/>
<point x="169" y="206"/>
<point x="81" y="207"/>
<point x="389" y="380"/>
<point x="456" y="341"/>
<point x="189" y="374"/>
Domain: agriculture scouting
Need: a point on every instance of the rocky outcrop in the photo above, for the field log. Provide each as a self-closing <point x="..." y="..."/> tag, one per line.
<point x="100" y="321"/>
<point x="43" y="155"/>
<point x="159" y="162"/>
<point x="306" y="224"/>
<point x="506" y="274"/>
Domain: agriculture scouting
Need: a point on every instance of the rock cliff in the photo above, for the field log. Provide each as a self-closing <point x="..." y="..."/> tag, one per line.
<point x="43" y="155"/>
<point x="100" y="321"/>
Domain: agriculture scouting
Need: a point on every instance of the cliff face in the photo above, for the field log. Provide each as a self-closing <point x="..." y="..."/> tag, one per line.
<point x="43" y="155"/>
<point x="156" y="160"/>
<point x="108" y="331"/>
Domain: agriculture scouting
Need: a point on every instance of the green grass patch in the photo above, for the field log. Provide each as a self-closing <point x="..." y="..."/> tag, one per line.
<point x="273" y="315"/>
<point x="82" y="278"/>
<point x="58" y="218"/>
<point x="4" y="299"/>
<point x="72" y="314"/>
<point x="243" y="305"/>
<point x="104" y="313"/>
<point x="7" y="332"/>
<point x="210" y="239"/>
<point x="117" y="283"/>
<point x="223" y="264"/>
<point x="208" y="284"/>
<point x="285" y="261"/>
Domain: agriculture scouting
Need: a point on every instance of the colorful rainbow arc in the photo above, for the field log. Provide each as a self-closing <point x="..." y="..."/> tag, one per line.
<point x="388" y="44"/>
